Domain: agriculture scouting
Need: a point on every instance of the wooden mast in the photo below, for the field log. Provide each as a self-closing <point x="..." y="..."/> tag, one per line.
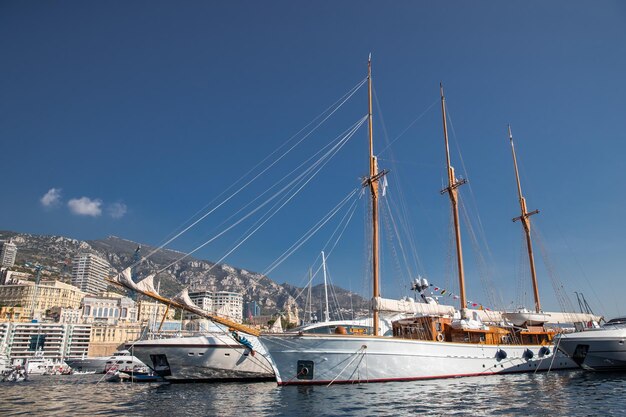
<point x="372" y="181"/>
<point x="525" y="219"/>
<point x="451" y="189"/>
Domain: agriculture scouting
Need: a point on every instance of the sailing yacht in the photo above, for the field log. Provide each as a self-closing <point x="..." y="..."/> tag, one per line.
<point x="435" y="342"/>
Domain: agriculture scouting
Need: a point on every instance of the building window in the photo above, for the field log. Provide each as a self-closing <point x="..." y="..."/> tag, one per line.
<point x="87" y="310"/>
<point x="124" y="312"/>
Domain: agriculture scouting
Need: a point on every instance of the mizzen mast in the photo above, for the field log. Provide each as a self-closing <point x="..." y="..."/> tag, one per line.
<point x="525" y="219"/>
<point x="451" y="189"/>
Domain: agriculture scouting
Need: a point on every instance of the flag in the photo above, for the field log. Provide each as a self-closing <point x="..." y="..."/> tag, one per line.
<point x="443" y="292"/>
<point x="385" y="185"/>
<point x="436" y="288"/>
<point x="456" y="297"/>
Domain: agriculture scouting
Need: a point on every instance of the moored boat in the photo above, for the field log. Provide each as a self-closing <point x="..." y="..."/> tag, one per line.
<point x="597" y="349"/>
<point x="99" y="364"/>
<point x="434" y="343"/>
<point x="218" y="356"/>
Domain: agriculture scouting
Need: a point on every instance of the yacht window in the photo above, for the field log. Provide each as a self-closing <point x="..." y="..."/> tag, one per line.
<point x="190" y="354"/>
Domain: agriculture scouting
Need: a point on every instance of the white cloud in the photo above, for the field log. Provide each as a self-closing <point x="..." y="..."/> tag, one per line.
<point x="51" y="198"/>
<point x="117" y="210"/>
<point x="85" y="206"/>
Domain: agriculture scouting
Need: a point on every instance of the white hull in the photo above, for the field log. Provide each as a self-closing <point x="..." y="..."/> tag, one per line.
<point x="95" y="364"/>
<point x="350" y="359"/>
<point x="214" y="357"/>
<point x="596" y="350"/>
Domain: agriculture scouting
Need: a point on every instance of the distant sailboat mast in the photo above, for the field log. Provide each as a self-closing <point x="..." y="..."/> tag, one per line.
<point x="451" y="189"/>
<point x="525" y="219"/>
<point x="326" y="312"/>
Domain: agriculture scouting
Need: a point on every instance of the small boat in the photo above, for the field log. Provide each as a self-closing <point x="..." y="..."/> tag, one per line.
<point x="16" y="374"/>
<point x="525" y="317"/>
<point x="38" y="365"/>
<point x="599" y="349"/>
<point x="130" y="376"/>
<point x="120" y="359"/>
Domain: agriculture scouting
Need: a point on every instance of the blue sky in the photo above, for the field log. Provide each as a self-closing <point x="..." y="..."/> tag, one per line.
<point x="139" y="113"/>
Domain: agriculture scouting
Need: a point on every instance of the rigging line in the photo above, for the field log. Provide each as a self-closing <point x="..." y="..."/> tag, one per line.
<point x="309" y="234"/>
<point x="350" y="212"/>
<point x="344" y="136"/>
<point x="270" y="211"/>
<point x="322" y="161"/>
<point x="410" y="235"/>
<point x="332" y="152"/>
<point x="409" y="126"/>
<point x="273" y="211"/>
<point x="333" y="293"/>
<point x="349" y="95"/>
<point x="395" y="260"/>
<point x="398" y="238"/>
<point x="481" y="228"/>
<point x="403" y="211"/>
<point x="483" y="271"/>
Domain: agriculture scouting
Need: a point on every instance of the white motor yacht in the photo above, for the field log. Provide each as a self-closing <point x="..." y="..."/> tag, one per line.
<point x="599" y="349"/>
<point x="100" y="364"/>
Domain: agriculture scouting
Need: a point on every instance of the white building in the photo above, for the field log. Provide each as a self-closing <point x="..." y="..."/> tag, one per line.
<point x="89" y="272"/>
<point x="109" y="308"/>
<point x="223" y="303"/>
<point x="56" y="341"/>
<point x="8" y="252"/>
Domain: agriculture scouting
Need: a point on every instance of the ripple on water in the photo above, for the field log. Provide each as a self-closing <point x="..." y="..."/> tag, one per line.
<point x="556" y="394"/>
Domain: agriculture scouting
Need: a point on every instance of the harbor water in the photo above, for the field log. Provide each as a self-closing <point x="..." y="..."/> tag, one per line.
<point x="563" y="393"/>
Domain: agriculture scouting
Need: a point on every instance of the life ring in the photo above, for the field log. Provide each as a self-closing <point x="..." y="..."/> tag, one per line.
<point x="440" y="337"/>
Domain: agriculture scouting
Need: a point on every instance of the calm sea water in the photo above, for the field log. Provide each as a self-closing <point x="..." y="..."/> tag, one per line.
<point x="571" y="393"/>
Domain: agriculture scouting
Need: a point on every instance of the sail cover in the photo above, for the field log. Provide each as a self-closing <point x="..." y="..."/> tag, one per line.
<point x="147" y="284"/>
<point x="277" y="327"/>
<point x="183" y="298"/>
<point x="125" y="278"/>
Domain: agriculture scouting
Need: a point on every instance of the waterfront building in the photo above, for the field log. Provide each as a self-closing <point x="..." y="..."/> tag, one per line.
<point x="89" y="272"/>
<point x="108" y="338"/>
<point x="55" y="341"/>
<point x="153" y="311"/>
<point x="65" y="315"/>
<point x="36" y="299"/>
<point x="253" y="309"/>
<point x="108" y="308"/>
<point x="9" y="313"/>
<point x="13" y="277"/>
<point x="223" y="303"/>
<point x="8" y="252"/>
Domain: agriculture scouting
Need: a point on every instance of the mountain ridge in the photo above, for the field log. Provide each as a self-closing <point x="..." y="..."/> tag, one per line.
<point x="55" y="254"/>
